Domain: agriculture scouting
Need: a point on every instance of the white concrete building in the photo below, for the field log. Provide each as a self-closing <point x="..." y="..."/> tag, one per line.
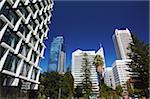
<point x="121" y="75"/>
<point x="23" y="27"/>
<point x="121" y="40"/>
<point x="77" y="57"/>
<point x="109" y="77"/>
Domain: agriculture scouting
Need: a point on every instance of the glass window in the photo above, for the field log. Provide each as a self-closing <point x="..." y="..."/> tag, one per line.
<point x="2" y="51"/>
<point x="33" y="57"/>
<point x="25" y="69"/>
<point x="10" y="38"/>
<point x="11" y="63"/>
<point x="24" y="49"/>
<point x="39" y="48"/>
<point x="23" y="10"/>
<point x="32" y="7"/>
<point x="33" y="40"/>
<point x="2" y="24"/>
<point x="23" y="29"/>
<point x="34" y="73"/>
<point x="9" y="13"/>
<point x="32" y="23"/>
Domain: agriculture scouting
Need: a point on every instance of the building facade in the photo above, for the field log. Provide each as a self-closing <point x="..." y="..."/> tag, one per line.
<point x="23" y="27"/>
<point x="122" y="39"/>
<point x="57" y="55"/>
<point x="109" y="77"/>
<point x="77" y="57"/>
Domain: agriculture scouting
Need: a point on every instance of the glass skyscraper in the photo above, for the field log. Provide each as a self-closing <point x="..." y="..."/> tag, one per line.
<point x="57" y="55"/>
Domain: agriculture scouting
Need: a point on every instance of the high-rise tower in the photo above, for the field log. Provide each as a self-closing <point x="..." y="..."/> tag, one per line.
<point x="57" y="55"/>
<point x="121" y="39"/>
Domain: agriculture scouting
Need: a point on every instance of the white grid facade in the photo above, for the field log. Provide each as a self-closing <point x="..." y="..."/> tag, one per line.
<point x="23" y="27"/>
<point x="77" y="57"/>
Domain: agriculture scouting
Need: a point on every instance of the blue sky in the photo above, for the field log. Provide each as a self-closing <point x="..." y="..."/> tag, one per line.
<point x="86" y="23"/>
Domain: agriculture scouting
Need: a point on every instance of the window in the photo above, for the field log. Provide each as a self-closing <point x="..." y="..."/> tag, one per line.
<point x="11" y="63"/>
<point x="33" y="57"/>
<point x="24" y="49"/>
<point x="34" y="73"/>
<point x="2" y="51"/>
<point x="9" y="13"/>
<point x="25" y="69"/>
<point x="23" y="10"/>
<point x="10" y="38"/>
<point x="24" y="30"/>
<point x="39" y="48"/>
<point x="33" y="40"/>
<point x="2" y="24"/>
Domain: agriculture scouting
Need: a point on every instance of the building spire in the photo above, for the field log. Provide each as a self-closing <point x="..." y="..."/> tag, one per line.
<point x="100" y="44"/>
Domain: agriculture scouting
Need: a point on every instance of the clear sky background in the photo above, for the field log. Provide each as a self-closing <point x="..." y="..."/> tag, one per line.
<point x="86" y="23"/>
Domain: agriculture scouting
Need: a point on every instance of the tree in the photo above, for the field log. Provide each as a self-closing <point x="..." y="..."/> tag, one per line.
<point x="139" y="66"/>
<point x="78" y="91"/>
<point x="86" y="82"/>
<point x="68" y="78"/>
<point x="106" y="91"/>
<point x="54" y="84"/>
<point x="129" y="88"/>
<point x="99" y="62"/>
<point x="119" y="90"/>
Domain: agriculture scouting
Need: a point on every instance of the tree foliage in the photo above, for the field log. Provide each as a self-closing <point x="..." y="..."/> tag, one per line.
<point x="139" y="65"/>
<point x="86" y="82"/>
<point x="52" y="82"/>
<point x="106" y="91"/>
<point x="98" y="62"/>
<point x="119" y="90"/>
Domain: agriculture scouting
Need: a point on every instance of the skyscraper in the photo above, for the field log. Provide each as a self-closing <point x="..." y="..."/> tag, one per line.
<point x="77" y="57"/>
<point x="121" y="39"/>
<point x="57" y="55"/>
<point x="23" y="27"/>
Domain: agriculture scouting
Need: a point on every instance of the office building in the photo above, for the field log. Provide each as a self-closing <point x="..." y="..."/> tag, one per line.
<point x="77" y="57"/>
<point x="23" y="27"/>
<point x="109" y="77"/>
<point x="121" y="40"/>
<point x="121" y="75"/>
<point x="57" y="55"/>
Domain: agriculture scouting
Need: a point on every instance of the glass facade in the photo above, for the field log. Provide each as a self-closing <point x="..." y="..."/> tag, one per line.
<point x="55" y="51"/>
<point x="24" y="49"/>
<point x="11" y="63"/>
<point x="25" y="69"/>
<point x="10" y="38"/>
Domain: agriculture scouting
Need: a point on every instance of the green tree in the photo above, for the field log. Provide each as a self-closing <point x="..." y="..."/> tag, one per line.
<point x="129" y="88"/>
<point x="54" y="84"/>
<point x="139" y="65"/>
<point x="68" y="79"/>
<point x="106" y="91"/>
<point x="78" y="91"/>
<point x="99" y="62"/>
<point x="86" y="82"/>
<point x="119" y="90"/>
